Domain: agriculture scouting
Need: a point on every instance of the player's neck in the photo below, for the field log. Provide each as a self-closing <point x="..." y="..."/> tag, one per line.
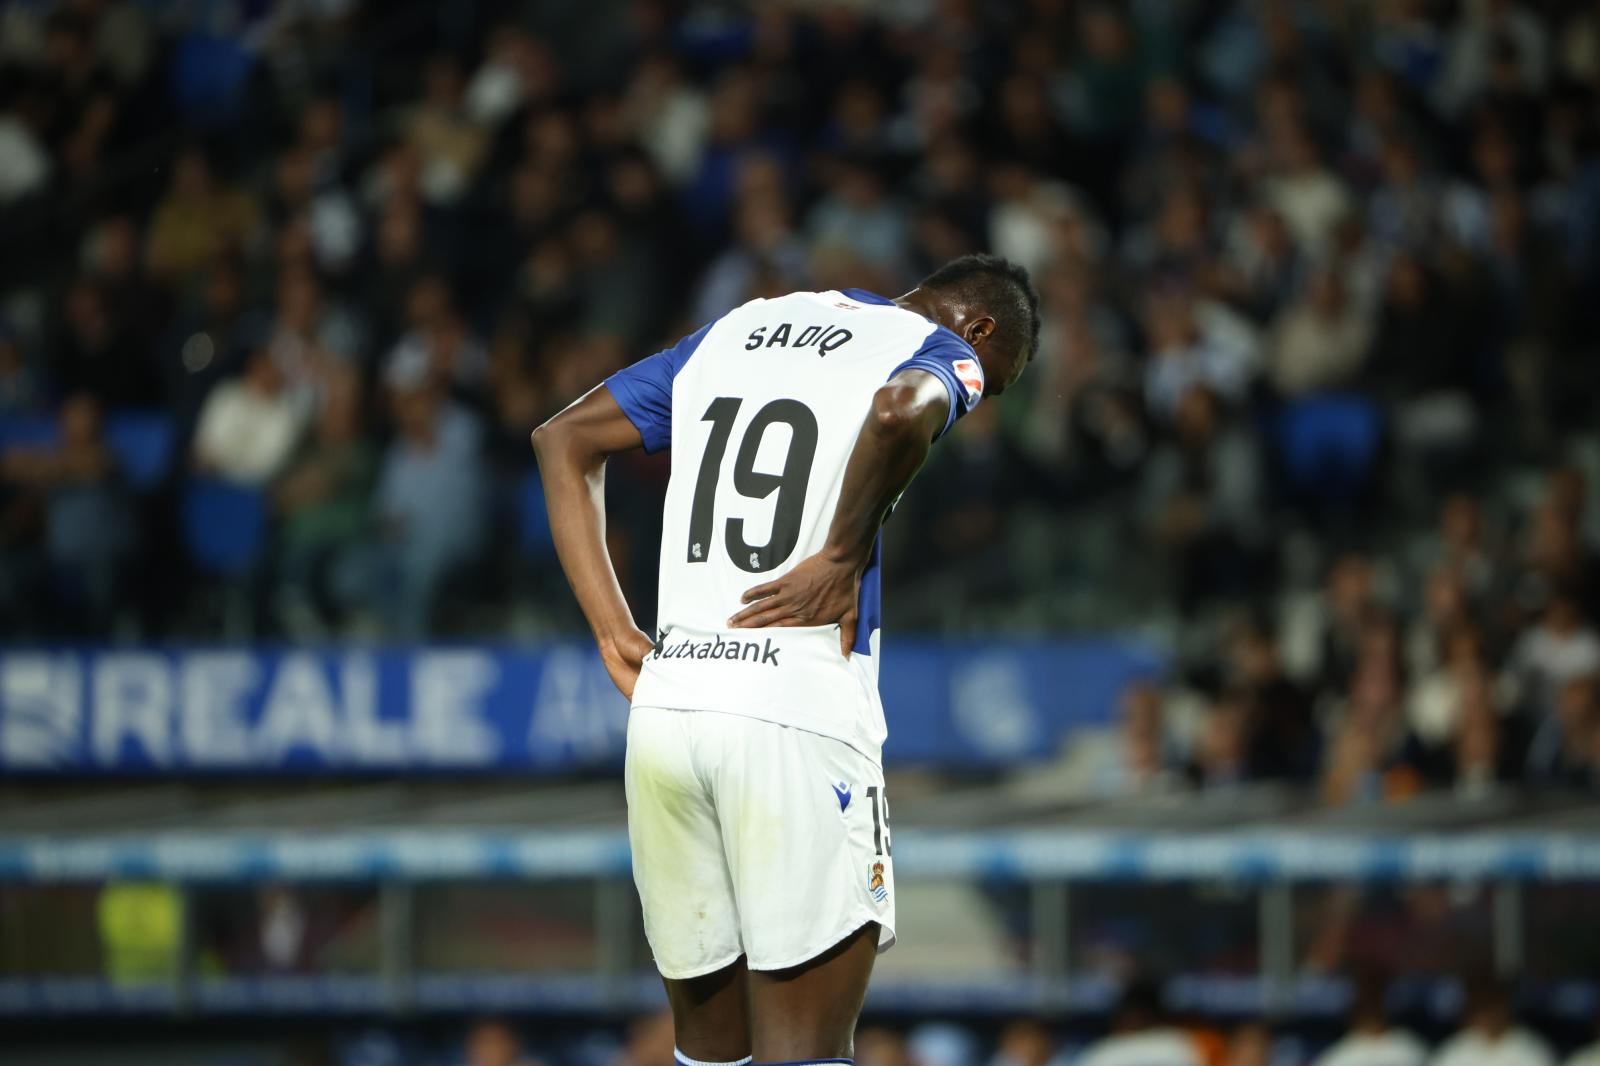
<point x="922" y="302"/>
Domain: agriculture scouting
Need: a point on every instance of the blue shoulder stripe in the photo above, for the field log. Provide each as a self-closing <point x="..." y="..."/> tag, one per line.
<point x="951" y="360"/>
<point x="644" y="390"/>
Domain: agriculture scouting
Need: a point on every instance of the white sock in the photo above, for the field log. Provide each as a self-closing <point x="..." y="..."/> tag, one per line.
<point x="684" y="1060"/>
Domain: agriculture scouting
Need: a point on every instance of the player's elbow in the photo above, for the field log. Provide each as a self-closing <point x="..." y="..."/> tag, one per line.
<point x="548" y="437"/>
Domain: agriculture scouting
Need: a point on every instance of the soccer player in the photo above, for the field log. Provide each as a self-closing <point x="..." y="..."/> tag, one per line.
<point x="756" y="807"/>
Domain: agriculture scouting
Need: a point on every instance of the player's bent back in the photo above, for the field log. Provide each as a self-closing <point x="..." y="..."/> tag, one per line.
<point x="761" y="409"/>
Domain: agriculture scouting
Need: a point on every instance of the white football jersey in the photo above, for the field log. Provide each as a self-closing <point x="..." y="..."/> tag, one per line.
<point x="761" y="409"/>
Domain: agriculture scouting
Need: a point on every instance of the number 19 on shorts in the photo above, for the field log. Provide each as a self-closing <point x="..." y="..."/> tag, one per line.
<point x="880" y="820"/>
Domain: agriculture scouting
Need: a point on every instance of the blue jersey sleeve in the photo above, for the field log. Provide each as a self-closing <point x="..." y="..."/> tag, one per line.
<point x="951" y="360"/>
<point x="644" y="390"/>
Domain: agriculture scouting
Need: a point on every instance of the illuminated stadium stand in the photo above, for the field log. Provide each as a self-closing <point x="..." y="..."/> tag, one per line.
<point x="1053" y="865"/>
<point x="411" y="788"/>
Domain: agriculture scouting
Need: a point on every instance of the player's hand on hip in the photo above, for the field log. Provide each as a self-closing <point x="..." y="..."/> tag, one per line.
<point x="819" y="591"/>
<point x="624" y="655"/>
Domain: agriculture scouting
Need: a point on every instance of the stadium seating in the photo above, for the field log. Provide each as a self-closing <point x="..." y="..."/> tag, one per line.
<point x="1328" y="445"/>
<point x="27" y="432"/>
<point x="224" y="527"/>
<point x="144" y="442"/>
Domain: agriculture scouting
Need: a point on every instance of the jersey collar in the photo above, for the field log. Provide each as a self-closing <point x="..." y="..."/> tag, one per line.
<point x="863" y="296"/>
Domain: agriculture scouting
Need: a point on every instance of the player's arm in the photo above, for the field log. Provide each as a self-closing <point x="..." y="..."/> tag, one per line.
<point x="907" y="413"/>
<point x="572" y="449"/>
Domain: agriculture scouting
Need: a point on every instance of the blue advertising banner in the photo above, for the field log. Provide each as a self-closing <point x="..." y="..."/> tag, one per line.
<point x="490" y="708"/>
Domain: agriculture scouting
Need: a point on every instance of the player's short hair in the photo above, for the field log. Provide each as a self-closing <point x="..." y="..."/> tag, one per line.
<point x="1001" y="289"/>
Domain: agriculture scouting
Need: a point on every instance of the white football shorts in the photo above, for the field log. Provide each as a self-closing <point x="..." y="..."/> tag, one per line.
<point x="752" y="838"/>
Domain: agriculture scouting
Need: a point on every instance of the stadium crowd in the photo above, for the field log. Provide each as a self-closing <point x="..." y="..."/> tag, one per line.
<point x="1140" y="1032"/>
<point x="1320" y="335"/>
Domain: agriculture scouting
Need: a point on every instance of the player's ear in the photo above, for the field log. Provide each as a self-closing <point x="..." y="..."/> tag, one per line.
<point x="977" y="330"/>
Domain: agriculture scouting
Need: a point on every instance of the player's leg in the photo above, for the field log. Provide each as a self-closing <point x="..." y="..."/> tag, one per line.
<point x="806" y="836"/>
<point x="685" y="891"/>
<point x="711" y="1016"/>
<point x="809" y="1012"/>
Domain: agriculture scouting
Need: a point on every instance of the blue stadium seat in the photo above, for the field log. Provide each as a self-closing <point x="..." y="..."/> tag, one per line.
<point x="1328" y="445"/>
<point x="28" y="431"/>
<point x="224" y="526"/>
<point x="143" y="442"/>
<point x="534" y="537"/>
<point x="209" y="75"/>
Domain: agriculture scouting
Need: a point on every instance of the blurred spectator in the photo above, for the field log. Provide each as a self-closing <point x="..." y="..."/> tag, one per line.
<point x="1561" y="647"/>
<point x="1420" y="361"/>
<point x="311" y="206"/>
<point x="1562" y="751"/>
<point x="1261" y="268"/>
<point x="322" y="500"/>
<point x="429" y="503"/>
<point x="206" y="342"/>
<point x="135" y="307"/>
<point x="249" y="426"/>
<point x="670" y="114"/>
<point x="516" y="67"/>
<point x="1372" y="1038"/>
<point x="280" y="930"/>
<point x="493" y="1042"/>
<point x="140" y="926"/>
<point x="449" y="142"/>
<point x="1084" y="371"/>
<point x="25" y="163"/>
<point x="766" y="250"/>
<point x="80" y="98"/>
<point x="1281" y="734"/>
<point x="943" y="1044"/>
<point x="1249" y="1045"/>
<point x="1140" y="1035"/>
<point x="650" y="1041"/>
<point x="20" y="391"/>
<point x="1496" y="47"/>
<point x="1201" y="500"/>
<point x="1482" y="765"/>
<point x="199" y="220"/>
<point x="1193" y="345"/>
<point x="859" y="215"/>
<point x="440" y="347"/>
<point x="1445" y="614"/>
<point x="984" y="475"/>
<point x="1320" y="341"/>
<point x="1222" y="749"/>
<point x="1349" y="604"/>
<point x="311" y="337"/>
<point x="1435" y="703"/>
<point x="1028" y="214"/>
<point x="1366" y="745"/>
<point x="1555" y="561"/>
<point x="1462" y="544"/>
<point x="1137" y="759"/>
<point x="880" y="1046"/>
<point x="1309" y="197"/>
<point x="1026" y="1043"/>
<point x="89" y="354"/>
<point x="87" y="531"/>
<point x="1403" y="211"/>
<point x="518" y="398"/>
<point x="1491" y="1036"/>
